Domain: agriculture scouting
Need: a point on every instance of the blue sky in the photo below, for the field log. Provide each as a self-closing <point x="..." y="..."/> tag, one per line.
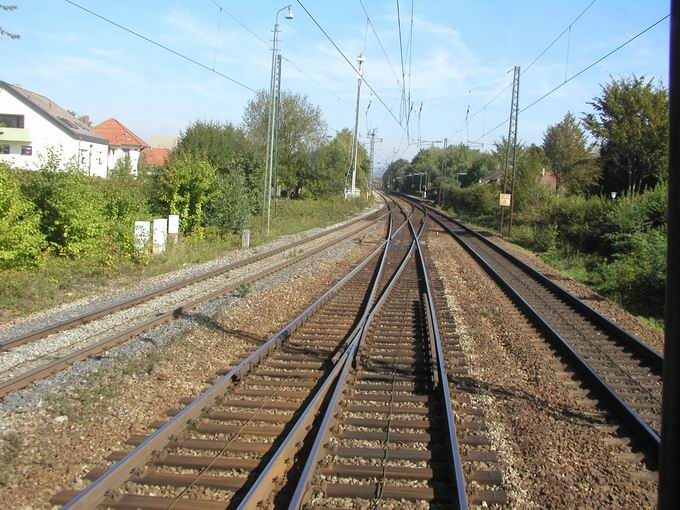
<point x="462" y="52"/>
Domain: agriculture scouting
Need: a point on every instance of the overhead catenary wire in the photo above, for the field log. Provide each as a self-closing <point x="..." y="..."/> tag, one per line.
<point x="370" y="87"/>
<point x="533" y="61"/>
<point x="401" y="53"/>
<point x="162" y="46"/>
<point x="262" y="39"/>
<point x="579" y="73"/>
<point x="559" y="36"/>
<point x="377" y="37"/>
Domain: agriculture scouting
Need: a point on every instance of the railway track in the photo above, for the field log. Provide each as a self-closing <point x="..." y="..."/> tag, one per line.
<point x="103" y="311"/>
<point x="211" y="451"/>
<point x="626" y="373"/>
<point x="213" y="285"/>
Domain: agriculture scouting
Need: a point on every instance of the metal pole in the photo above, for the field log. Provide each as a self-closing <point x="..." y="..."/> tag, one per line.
<point x="266" y="192"/>
<point x="272" y="128"/>
<point x="355" y="147"/>
<point x="669" y="488"/>
<point x="514" y="148"/>
<point x="507" y="150"/>
<point x="277" y="130"/>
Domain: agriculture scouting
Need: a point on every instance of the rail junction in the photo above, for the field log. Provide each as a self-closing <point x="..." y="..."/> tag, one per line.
<point x="354" y="403"/>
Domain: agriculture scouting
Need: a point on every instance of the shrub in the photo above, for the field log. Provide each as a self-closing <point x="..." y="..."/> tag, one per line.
<point x="21" y="241"/>
<point x="638" y="277"/>
<point x="184" y="184"/>
<point x="72" y="207"/>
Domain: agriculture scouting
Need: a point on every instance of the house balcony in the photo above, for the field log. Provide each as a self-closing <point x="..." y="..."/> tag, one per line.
<point x="18" y="135"/>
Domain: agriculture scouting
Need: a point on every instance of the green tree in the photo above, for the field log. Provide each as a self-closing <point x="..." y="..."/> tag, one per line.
<point x="3" y="32"/>
<point x="72" y="209"/>
<point x="216" y="143"/>
<point x="631" y="125"/>
<point x="21" y="241"/>
<point x="567" y="155"/>
<point x="236" y="196"/>
<point x="394" y="175"/>
<point x="301" y="131"/>
<point x="184" y="184"/>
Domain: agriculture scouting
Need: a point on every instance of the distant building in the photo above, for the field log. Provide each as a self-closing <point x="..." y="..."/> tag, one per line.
<point x="163" y="141"/>
<point x="123" y="143"/>
<point x="32" y="124"/>
<point x="154" y="157"/>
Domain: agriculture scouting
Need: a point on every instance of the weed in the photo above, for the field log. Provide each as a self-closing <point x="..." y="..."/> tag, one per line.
<point x="243" y="290"/>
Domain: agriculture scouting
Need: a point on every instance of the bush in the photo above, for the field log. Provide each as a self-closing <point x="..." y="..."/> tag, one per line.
<point x="184" y="185"/>
<point x="126" y="201"/>
<point x="477" y="203"/>
<point x="72" y="207"/>
<point x="638" y="277"/>
<point x="21" y="241"/>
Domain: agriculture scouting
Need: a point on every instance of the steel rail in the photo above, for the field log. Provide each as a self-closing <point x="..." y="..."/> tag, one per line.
<point x="631" y="341"/>
<point x="166" y="315"/>
<point x="117" y="474"/>
<point x="329" y="417"/>
<point x="266" y="482"/>
<point x="459" y="496"/>
<point x="105" y="310"/>
<point x="640" y="429"/>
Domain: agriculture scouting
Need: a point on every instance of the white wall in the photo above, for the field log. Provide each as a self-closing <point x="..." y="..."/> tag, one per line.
<point x="91" y="157"/>
<point x="118" y="153"/>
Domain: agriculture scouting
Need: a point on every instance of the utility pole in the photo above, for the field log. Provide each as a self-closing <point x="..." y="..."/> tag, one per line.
<point x="372" y="153"/>
<point x="271" y="125"/>
<point x="442" y="180"/>
<point x="355" y="145"/>
<point x="512" y="144"/>
<point x="277" y="130"/>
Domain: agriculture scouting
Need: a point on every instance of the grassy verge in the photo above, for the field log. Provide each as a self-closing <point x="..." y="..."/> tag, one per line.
<point x="588" y="269"/>
<point x="61" y="279"/>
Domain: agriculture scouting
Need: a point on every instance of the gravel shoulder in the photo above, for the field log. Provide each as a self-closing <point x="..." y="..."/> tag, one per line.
<point x="52" y="433"/>
<point x="114" y="293"/>
<point x="560" y="449"/>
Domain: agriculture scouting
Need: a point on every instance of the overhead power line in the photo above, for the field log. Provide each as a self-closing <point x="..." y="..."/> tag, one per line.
<point x="377" y="37"/>
<point x="264" y="41"/>
<point x="330" y="39"/>
<point x="567" y="29"/>
<point x="162" y="46"/>
<point x="588" y="67"/>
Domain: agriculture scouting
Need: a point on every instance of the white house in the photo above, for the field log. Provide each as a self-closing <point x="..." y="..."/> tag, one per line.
<point x="31" y="124"/>
<point x="123" y="143"/>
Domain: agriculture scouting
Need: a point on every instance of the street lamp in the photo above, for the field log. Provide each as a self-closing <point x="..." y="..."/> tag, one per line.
<point x="269" y="162"/>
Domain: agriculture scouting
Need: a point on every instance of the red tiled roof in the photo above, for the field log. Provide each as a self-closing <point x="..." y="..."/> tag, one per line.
<point x="155" y="157"/>
<point x="117" y="134"/>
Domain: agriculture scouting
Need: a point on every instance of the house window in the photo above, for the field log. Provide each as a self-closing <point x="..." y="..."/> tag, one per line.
<point x="26" y="150"/>
<point x="11" y="121"/>
<point x="5" y="149"/>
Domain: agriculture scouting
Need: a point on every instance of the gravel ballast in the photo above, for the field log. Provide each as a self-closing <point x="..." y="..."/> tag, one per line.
<point x="560" y="448"/>
<point x="53" y="432"/>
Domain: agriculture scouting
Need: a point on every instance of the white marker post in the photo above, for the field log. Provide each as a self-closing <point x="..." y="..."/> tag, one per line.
<point x="160" y="235"/>
<point x="142" y="235"/>
<point x="173" y="228"/>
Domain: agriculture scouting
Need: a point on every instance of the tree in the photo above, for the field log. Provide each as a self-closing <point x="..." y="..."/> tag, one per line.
<point x="566" y="152"/>
<point x="3" y="32"/>
<point x="21" y="240"/>
<point x="301" y="131"/>
<point x="217" y="143"/>
<point x="236" y="196"/>
<point x="631" y="125"/>
<point x="184" y="186"/>
<point x="393" y="178"/>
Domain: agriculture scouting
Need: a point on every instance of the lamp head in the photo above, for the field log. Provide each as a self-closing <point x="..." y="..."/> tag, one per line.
<point x="289" y="14"/>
